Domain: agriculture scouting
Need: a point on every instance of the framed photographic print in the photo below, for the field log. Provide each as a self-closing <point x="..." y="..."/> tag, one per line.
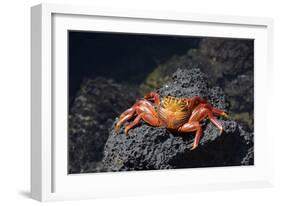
<point x="137" y="102"/>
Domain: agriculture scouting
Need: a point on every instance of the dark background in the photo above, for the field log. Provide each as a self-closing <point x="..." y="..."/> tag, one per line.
<point x="123" y="57"/>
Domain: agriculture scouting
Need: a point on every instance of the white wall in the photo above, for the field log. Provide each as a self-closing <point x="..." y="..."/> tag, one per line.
<point x="15" y="103"/>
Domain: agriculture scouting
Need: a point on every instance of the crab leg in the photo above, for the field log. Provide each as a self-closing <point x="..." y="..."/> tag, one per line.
<point x="128" y="111"/>
<point x="147" y="117"/>
<point x="219" y="112"/>
<point x="123" y="120"/>
<point x="215" y="122"/>
<point x="205" y="110"/>
<point x="142" y="106"/>
<point x="132" y="124"/>
<point x="200" y="112"/>
<point x="147" y="113"/>
<point x="192" y="127"/>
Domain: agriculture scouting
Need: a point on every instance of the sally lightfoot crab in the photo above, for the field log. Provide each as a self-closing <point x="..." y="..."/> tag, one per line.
<point x="178" y="114"/>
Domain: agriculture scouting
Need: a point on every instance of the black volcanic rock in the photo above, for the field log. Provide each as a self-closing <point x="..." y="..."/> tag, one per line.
<point x="148" y="147"/>
<point x="91" y="116"/>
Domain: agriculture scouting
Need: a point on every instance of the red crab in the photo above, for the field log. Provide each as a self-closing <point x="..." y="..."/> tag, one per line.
<point x="178" y="114"/>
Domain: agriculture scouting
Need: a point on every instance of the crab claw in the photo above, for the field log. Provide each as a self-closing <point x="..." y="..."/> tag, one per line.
<point x="153" y="96"/>
<point x="148" y="97"/>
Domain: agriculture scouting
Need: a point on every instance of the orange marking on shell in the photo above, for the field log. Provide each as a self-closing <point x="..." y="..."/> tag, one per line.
<point x="174" y="104"/>
<point x="173" y="112"/>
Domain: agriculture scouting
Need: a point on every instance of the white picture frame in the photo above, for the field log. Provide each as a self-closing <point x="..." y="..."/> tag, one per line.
<point x="49" y="178"/>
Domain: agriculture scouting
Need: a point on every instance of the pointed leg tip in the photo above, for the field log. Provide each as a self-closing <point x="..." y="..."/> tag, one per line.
<point x="225" y="115"/>
<point x="116" y="129"/>
<point x="194" y="147"/>
<point x="126" y="131"/>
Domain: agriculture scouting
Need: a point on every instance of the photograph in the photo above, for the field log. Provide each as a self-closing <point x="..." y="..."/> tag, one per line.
<point x="139" y="101"/>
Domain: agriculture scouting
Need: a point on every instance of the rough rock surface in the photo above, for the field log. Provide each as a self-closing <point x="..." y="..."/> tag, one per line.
<point x="229" y="63"/>
<point x="91" y="116"/>
<point x="148" y="147"/>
